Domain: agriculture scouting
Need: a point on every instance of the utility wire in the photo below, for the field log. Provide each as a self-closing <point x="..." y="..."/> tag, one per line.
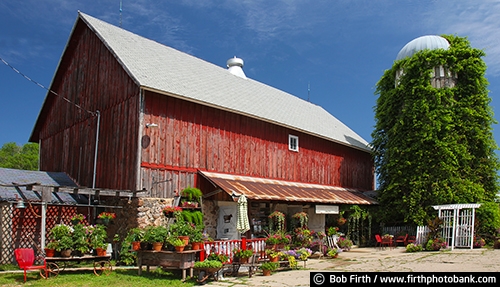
<point x="43" y="87"/>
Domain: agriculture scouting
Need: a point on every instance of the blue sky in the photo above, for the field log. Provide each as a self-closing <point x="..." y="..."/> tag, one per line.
<point x="331" y="53"/>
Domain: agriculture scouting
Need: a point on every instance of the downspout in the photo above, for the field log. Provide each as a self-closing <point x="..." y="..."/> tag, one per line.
<point x="96" y="146"/>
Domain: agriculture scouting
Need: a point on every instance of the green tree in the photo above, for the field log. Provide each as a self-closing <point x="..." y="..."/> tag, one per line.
<point x="434" y="145"/>
<point x="14" y="156"/>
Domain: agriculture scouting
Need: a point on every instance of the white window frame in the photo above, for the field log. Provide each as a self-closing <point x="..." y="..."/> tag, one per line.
<point x="293" y="143"/>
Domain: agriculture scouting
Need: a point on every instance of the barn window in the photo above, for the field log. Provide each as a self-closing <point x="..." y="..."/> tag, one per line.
<point x="293" y="143"/>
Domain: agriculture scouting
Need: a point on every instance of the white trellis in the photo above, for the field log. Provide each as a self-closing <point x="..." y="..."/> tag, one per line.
<point x="458" y="223"/>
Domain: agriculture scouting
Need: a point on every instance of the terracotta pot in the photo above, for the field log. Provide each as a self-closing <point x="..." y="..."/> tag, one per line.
<point x="66" y="253"/>
<point x="266" y="272"/>
<point x="243" y="260"/>
<point x="157" y="246"/>
<point x="179" y="248"/>
<point x="196" y="245"/>
<point x="185" y="238"/>
<point x="274" y="259"/>
<point x="50" y="252"/>
<point x="136" y="245"/>
<point x="100" y="251"/>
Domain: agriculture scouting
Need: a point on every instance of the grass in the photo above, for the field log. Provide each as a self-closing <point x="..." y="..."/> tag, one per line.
<point x="86" y="277"/>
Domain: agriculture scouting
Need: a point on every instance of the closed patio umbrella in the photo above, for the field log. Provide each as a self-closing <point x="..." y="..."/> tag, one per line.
<point x="242" y="224"/>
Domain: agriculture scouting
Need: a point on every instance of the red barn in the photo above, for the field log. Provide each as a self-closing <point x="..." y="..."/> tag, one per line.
<point x="129" y="113"/>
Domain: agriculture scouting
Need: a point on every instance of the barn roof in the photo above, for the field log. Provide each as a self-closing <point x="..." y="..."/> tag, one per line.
<point x="165" y="70"/>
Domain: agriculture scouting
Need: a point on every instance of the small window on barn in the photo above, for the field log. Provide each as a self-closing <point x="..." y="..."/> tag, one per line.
<point x="293" y="143"/>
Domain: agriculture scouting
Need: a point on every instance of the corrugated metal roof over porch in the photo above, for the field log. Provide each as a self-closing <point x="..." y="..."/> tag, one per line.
<point x="13" y="183"/>
<point x="280" y="190"/>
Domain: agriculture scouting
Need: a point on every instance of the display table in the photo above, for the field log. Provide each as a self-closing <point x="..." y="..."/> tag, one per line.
<point x="167" y="259"/>
<point x="102" y="264"/>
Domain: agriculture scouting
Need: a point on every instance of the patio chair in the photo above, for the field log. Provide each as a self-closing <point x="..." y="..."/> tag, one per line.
<point x="378" y="242"/>
<point x="25" y="258"/>
<point x="411" y="239"/>
<point x="401" y="239"/>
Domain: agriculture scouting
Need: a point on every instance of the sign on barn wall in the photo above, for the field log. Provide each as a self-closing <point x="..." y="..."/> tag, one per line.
<point x="327" y="209"/>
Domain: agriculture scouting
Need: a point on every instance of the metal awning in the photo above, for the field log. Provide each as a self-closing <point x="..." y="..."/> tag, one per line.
<point x="279" y="190"/>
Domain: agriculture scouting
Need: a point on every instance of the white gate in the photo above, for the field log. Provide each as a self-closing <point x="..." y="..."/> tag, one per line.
<point x="458" y="224"/>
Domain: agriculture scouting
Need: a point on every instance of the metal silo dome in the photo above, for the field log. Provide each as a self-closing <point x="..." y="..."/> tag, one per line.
<point x="430" y="42"/>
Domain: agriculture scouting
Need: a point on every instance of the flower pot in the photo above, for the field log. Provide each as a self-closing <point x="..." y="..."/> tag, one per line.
<point x="274" y="259"/>
<point x="145" y="245"/>
<point x="243" y="260"/>
<point x="185" y="239"/>
<point x="266" y="272"/>
<point x="100" y="251"/>
<point x="136" y="245"/>
<point x="179" y="248"/>
<point x="66" y="253"/>
<point x="50" y="252"/>
<point x="196" y="245"/>
<point x="157" y="246"/>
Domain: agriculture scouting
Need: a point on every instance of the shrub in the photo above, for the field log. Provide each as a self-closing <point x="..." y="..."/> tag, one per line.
<point x="413" y="248"/>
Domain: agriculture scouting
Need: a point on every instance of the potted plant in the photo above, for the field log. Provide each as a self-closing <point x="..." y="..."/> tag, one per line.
<point x="333" y="252"/>
<point x="301" y="218"/>
<point x="80" y="239"/>
<point x="62" y="234"/>
<point x="50" y="249"/>
<point x="242" y="255"/>
<point x="178" y="244"/>
<point x="135" y="236"/>
<point x="277" y="221"/>
<point x="106" y="217"/>
<point x="98" y="236"/>
<point x="182" y="229"/>
<point x="77" y="218"/>
<point x="268" y="267"/>
<point x="65" y="246"/>
<point x="172" y="211"/>
<point x="191" y="194"/>
<point x="156" y="235"/>
<point x="208" y="265"/>
<point x="196" y="238"/>
<point x="274" y="255"/>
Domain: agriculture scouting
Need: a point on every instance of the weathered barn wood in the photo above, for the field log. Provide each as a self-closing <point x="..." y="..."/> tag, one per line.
<point x="156" y="130"/>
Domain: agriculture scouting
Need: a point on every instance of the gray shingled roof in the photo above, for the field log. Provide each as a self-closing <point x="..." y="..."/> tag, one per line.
<point x="156" y="66"/>
<point x="11" y="177"/>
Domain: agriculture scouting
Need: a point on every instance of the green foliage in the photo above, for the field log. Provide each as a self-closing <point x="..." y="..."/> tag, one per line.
<point x="14" y="156"/>
<point x="192" y="194"/>
<point x="208" y="264"/>
<point x="432" y="145"/>
<point x="488" y="217"/>
<point x="414" y="247"/>
<point x="272" y="266"/>
<point x="247" y="253"/>
<point x="155" y="233"/>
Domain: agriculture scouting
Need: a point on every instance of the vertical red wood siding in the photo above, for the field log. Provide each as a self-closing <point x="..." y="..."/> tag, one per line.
<point x="191" y="136"/>
<point x="90" y="76"/>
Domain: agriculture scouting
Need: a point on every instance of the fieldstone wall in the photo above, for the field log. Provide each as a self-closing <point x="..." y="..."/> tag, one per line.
<point x="210" y="216"/>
